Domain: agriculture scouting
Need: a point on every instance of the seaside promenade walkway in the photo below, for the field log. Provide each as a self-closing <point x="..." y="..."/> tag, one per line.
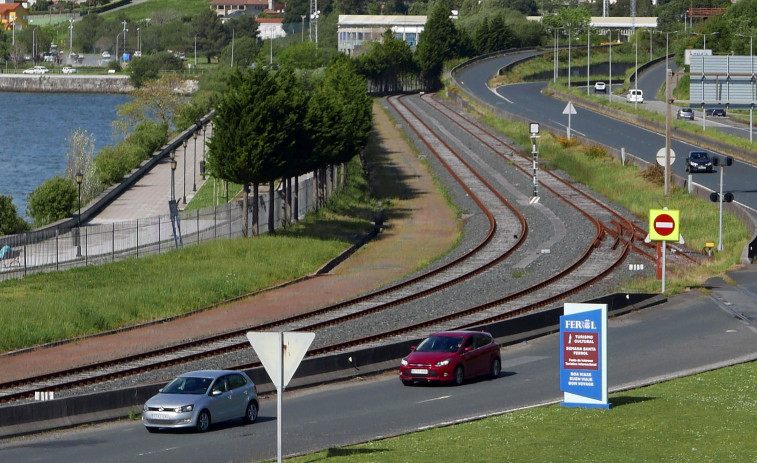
<point x="149" y="196"/>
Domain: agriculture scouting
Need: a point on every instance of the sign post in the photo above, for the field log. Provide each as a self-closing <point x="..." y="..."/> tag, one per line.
<point x="583" y="355"/>
<point x="281" y="354"/>
<point x="569" y="110"/>
<point x="663" y="226"/>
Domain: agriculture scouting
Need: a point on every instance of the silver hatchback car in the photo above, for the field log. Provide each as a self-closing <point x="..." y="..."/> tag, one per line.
<point x="199" y="398"/>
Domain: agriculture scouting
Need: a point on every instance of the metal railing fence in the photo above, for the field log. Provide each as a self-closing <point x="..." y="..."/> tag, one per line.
<point x="61" y="249"/>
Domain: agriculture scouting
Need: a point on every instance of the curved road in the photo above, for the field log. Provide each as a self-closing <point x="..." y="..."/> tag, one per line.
<point x="691" y="332"/>
<point x="526" y="100"/>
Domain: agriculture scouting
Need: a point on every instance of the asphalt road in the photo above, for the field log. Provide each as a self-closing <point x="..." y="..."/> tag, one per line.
<point x="690" y="333"/>
<point x="527" y="100"/>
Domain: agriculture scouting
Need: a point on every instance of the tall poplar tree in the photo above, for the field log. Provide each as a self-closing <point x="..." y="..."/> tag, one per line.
<point x="257" y="130"/>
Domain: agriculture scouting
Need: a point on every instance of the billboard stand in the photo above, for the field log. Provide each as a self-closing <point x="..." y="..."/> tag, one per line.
<point x="583" y="356"/>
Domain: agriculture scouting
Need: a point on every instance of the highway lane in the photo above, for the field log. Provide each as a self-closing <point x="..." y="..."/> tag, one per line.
<point x="526" y="100"/>
<point x="690" y="333"/>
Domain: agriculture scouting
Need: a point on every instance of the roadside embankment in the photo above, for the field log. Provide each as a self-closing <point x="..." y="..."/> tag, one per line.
<point x="47" y="83"/>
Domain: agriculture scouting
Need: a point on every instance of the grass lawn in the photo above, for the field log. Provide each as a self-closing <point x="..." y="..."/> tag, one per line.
<point x="709" y="417"/>
<point x="48" y="307"/>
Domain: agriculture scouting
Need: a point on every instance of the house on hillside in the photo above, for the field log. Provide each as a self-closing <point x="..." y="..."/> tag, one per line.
<point x="355" y="30"/>
<point x="227" y="8"/>
<point x="13" y="16"/>
<point x="271" y="26"/>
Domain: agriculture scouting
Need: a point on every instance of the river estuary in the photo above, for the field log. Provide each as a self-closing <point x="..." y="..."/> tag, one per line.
<point x="37" y="127"/>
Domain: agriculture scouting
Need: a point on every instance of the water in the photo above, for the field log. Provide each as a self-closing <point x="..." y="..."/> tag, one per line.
<point x="36" y="128"/>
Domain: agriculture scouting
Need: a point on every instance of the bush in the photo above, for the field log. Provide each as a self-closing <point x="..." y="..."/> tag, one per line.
<point x="10" y="222"/>
<point x="54" y="200"/>
<point x="148" y="67"/>
<point x="568" y="142"/>
<point x="149" y="137"/>
<point x="596" y="152"/>
<point x="114" y="162"/>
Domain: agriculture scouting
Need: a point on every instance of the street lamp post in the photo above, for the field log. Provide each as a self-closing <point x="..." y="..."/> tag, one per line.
<point x="139" y="42"/>
<point x="125" y="30"/>
<point x="569" y="43"/>
<point x="34" y="44"/>
<point x="79" y="178"/>
<point x="609" y="90"/>
<point x="636" y="72"/>
<point x="116" y="50"/>
<point x="173" y="169"/>
<point x="195" y="51"/>
<point x="588" y="59"/>
<point x="751" y="69"/>
<point x="70" y="36"/>
<point x="194" y="163"/>
<point x="202" y="164"/>
<point x="184" y="183"/>
<point x="302" y="34"/>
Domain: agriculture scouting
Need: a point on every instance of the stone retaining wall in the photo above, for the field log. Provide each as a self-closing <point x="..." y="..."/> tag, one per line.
<point x="51" y="83"/>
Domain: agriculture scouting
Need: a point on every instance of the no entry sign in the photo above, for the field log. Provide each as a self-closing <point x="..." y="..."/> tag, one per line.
<point x="663" y="225"/>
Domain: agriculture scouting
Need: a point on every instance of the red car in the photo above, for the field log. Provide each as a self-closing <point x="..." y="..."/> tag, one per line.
<point x="452" y="356"/>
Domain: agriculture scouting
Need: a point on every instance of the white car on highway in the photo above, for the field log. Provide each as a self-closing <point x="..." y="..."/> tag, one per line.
<point x="36" y="70"/>
<point x="635" y="96"/>
<point x="69" y="70"/>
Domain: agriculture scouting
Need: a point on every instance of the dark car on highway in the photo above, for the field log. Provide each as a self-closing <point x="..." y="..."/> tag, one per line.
<point x="720" y="112"/>
<point x="452" y="357"/>
<point x="698" y="161"/>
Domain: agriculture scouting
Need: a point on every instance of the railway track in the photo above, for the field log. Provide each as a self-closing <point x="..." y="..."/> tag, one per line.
<point x="508" y="231"/>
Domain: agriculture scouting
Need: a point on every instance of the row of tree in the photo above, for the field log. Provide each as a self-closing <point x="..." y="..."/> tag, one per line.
<point x="268" y="126"/>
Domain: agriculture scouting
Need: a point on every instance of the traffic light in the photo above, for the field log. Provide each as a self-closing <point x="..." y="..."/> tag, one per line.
<point x="716" y="161"/>
<point x="727" y="197"/>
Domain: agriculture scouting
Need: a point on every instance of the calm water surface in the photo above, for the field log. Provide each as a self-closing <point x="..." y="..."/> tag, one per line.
<point x="36" y="129"/>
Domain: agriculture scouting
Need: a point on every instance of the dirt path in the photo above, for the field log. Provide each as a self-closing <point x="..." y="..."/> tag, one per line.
<point x="419" y="226"/>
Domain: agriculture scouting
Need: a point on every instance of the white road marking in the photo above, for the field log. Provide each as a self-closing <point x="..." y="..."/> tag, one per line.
<point x="437" y="398"/>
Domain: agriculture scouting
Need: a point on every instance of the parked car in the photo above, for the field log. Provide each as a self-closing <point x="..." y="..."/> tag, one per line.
<point x="105" y="54"/>
<point x="199" y="398"/>
<point x="698" y="161"/>
<point x="720" y="112"/>
<point x="69" y="70"/>
<point x="635" y="96"/>
<point x="452" y="356"/>
<point x="600" y="87"/>
<point x="36" y="70"/>
<point x="685" y="113"/>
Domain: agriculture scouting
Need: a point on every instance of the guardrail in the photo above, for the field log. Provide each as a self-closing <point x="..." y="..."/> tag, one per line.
<point x="123" y="403"/>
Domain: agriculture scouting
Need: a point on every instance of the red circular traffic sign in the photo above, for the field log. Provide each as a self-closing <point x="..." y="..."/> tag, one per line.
<point x="664" y="224"/>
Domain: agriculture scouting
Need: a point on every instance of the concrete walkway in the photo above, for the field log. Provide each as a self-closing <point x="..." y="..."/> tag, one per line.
<point x="150" y="195"/>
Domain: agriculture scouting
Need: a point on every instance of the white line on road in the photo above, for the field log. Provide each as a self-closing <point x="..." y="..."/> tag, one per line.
<point x="437" y="398"/>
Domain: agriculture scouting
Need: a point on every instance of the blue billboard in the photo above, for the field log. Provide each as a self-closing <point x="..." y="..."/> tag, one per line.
<point x="583" y="355"/>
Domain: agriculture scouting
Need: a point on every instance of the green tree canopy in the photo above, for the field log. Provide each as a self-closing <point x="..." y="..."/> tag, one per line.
<point x="439" y="42"/>
<point x="54" y="200"/>
<point x="10" y="222"/>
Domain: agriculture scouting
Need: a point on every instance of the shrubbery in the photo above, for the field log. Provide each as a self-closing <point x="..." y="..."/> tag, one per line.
<point x="54" y="200"/>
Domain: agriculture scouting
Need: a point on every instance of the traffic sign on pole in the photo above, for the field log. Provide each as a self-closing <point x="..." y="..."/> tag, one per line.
<point x="663" y="225"/>
<point x="569" y="110"/>
<point x="661" y="156"/>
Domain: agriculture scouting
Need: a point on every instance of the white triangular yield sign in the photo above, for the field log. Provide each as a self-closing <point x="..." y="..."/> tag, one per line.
<point x="569" y="109"/>
<point x="276" y="349"/>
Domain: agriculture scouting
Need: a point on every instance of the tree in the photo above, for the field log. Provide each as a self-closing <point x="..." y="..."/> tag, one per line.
<point x="10" y="222"/>
<point x="156" y="101"/>
<point x="256" y="129"/>
<point x="438" y="43"/>
<point x="211" y="34"/>
<point x="148" y="67"/>
<point x="339" y="117"/>
<point x="54" y="200"/>
<point x="80" y="158"/>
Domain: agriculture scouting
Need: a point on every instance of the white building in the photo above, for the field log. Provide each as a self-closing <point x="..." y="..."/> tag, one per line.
<point x="355" y="30"/>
